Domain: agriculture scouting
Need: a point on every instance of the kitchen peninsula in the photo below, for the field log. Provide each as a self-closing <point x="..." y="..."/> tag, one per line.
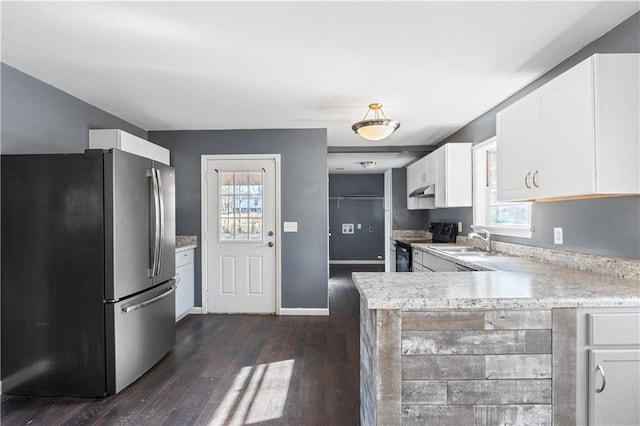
<point x="483" y="347"/>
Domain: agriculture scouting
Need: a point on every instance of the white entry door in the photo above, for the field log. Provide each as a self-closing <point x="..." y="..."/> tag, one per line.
<point x="241" y="235"/>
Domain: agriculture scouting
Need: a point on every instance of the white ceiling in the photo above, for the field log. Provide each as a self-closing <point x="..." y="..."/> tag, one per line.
<point x="435" y="66"/>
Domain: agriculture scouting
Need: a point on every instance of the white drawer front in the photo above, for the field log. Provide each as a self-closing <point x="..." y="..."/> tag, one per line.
<point x="416" y="256"/>
<point x="437" y="264"/>
<point x="614" y="328"/>
<point x="184" y="257"/>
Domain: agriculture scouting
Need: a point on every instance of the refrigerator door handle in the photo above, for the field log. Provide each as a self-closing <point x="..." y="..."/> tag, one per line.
<point x="155" y="243"/>
<point x="127" y="309"/>
<point x="161" y="220"/>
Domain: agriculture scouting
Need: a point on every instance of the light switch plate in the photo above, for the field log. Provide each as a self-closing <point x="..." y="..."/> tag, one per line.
<point x="290" y="227"/>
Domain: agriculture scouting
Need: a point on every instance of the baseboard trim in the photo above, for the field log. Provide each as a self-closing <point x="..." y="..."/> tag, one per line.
<point x="283" y="311"/>
<point x="305" y="311"/>
<point x="356" y="262"/>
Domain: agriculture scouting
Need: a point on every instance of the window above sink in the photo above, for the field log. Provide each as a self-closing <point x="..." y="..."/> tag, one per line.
<point x="499" y="218"/>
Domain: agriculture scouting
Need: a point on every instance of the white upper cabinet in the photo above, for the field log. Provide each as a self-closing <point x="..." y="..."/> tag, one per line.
<point x="576" y="136"/>
<point x="453" y="178"/>
<point x="446" y="173"/>
<point x="518" y="138"/>
<point x="420" y="175"/>
<point x="116" y="138"/>
<point x="414" y="175"/>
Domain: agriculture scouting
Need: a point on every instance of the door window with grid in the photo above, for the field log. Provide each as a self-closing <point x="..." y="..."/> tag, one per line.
<point x="241" y="214"/>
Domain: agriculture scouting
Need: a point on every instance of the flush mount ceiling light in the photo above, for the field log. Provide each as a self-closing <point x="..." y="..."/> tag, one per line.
<point x="368" y="164"/>
<point x="376" y="128"/>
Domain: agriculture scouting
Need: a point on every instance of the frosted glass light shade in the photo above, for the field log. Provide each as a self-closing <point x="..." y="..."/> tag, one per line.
<point x="375" y="130"/>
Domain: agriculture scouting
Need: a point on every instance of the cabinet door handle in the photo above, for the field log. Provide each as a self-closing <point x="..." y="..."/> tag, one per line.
<point x="526" y="180"/>
<point x="535" y="182"/>
<point x="604" y="379"/>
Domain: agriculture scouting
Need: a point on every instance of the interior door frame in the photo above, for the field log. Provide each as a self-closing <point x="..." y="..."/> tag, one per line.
<point x="205" y="232"/>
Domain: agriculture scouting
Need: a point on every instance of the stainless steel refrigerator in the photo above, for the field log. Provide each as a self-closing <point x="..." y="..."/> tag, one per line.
<point x="87" y="273"/>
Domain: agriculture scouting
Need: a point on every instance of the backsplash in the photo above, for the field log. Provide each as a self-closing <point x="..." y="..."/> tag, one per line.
<point x="621" y="267"/>
<point x="410" y="233"/>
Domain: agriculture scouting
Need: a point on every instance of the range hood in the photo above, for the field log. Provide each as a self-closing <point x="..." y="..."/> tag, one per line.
<point x="424" y="192"/>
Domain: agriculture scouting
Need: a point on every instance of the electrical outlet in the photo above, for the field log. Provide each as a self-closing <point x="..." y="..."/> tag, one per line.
<point x="557" y="235"/>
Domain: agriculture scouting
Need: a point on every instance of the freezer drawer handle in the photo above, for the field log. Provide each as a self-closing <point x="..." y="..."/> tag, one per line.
<point x="127" y="309"/>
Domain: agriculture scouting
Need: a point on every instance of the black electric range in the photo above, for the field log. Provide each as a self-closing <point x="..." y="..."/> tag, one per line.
<point x="441" y="232"/>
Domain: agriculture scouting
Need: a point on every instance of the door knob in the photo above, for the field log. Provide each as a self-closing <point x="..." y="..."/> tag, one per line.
<point x="270" y="244"/>
<point x="270" y="233"/>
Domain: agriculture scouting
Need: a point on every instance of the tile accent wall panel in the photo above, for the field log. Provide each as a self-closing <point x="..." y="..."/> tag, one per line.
<point x="564" y="366"/>
<point x="539" y="415"/>
<point x="418" y="321"/>
<point x="518" y="320"/>
<point x="388" y="360"/>
<point x="424" y="392"/>
<point x="368" y="366"/>
<point x="440" y="415"/>
<point x="476" y="342"/>
<point x="476" y="367"/>
<point x="518" y="366"/>
<point x="443" y="367"/>
<point x="476" y="392"/>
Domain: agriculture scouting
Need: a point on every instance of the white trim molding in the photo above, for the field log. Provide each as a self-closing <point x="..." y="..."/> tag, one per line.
<point x="506" y="231"/>
<point x="481" y="197"/>
<point x="203" y="221"/>
<point x="356" y="262"/>
<point x="196" y="310"/>
<point x="305" y="311"/>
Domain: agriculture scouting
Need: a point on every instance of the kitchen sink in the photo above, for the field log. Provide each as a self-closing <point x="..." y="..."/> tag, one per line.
<point x="478" y="253"/>
<point x="459" y="249"/>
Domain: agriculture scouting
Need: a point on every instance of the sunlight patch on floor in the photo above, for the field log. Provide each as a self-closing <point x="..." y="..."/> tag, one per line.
<point x="258" y="394"/>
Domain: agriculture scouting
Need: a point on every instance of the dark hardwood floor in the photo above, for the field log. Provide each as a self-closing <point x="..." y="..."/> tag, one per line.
<point x="234" y="369"/>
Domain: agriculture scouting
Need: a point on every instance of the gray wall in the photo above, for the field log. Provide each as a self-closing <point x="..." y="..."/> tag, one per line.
<point x="362" y="244"/>
<point x="404" y="219"/>
<point x="39" y="119"/>
<point x="304" y="198"/>
<point x="606" y="226"/>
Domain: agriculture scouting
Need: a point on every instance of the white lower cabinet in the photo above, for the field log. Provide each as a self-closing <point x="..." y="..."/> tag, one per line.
<point x="614" y="387"/>
<point x="434" y="263"/>
<point x="608" y="376"/>
<point x="184" y="283"/>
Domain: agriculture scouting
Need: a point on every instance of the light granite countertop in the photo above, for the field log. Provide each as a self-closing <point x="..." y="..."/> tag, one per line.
<point x="186" y="242"/>
<point x="501" y="282"/>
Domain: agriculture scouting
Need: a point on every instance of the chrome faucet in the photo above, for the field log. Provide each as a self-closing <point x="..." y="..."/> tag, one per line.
<point x="486" y="240"/>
